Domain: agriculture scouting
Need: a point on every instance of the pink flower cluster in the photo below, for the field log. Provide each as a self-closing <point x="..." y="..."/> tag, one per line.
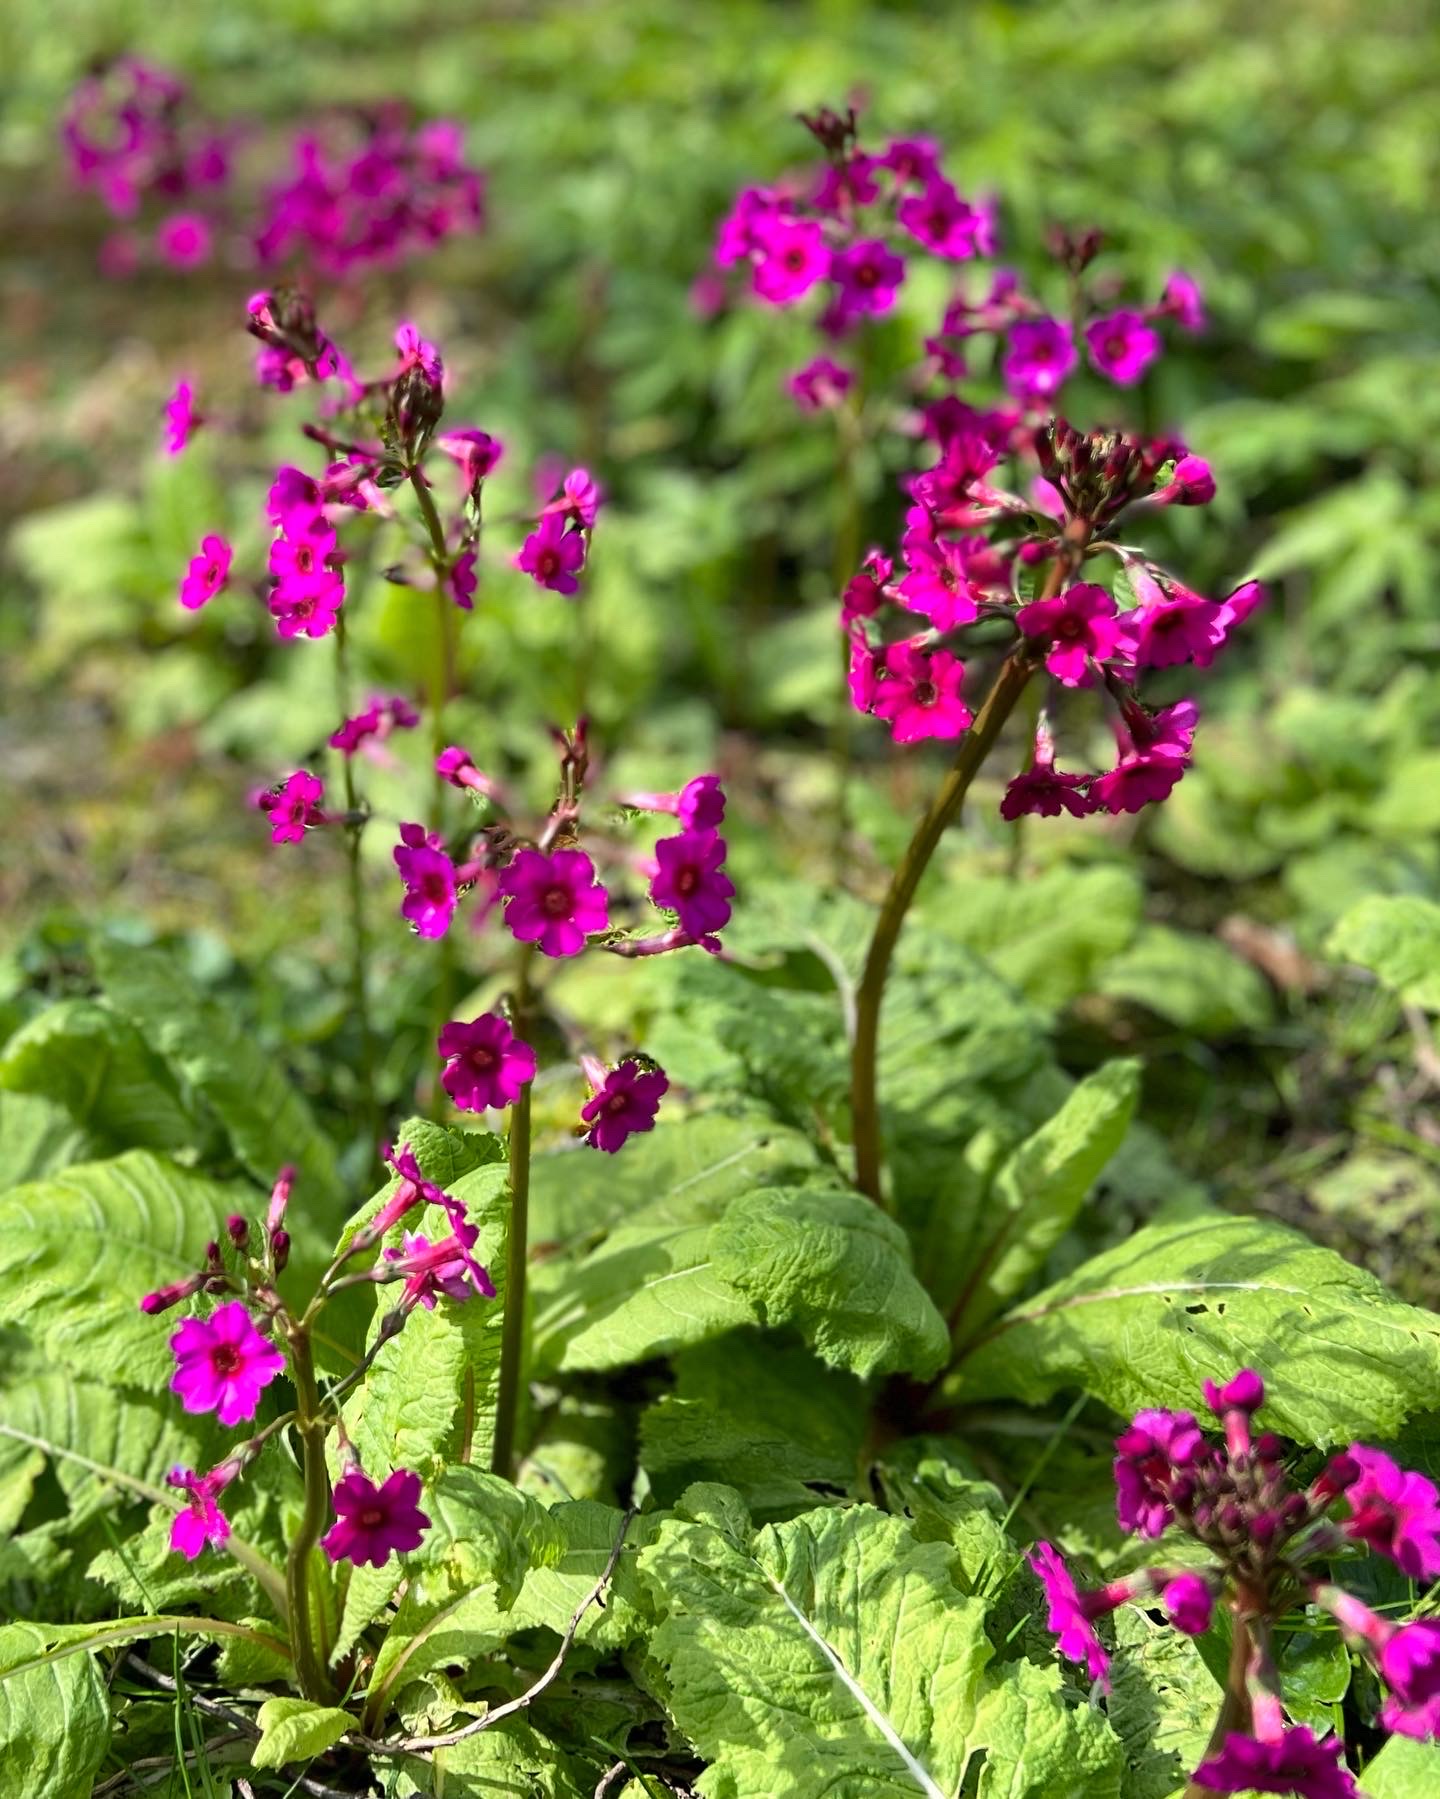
<point x="554" y="553"/>
<point x="1264" y="1535"/>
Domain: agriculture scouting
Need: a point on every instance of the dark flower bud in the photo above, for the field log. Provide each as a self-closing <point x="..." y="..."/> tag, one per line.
<point x="280" y="1247"/>
<point x="238" y="1229"/>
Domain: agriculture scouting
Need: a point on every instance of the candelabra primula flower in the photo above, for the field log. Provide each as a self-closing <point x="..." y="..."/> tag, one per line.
<point x="791" y="256"/>
<point x="937" y="581"/>
<point x="486" y="1064"/>
<point x="553" y="556"/>
<point x="207" y="574"/>
<point x="1293" y="1762"/>
<point x="869" y="274"/>
<point x="476" y="453"/>
<point x="1072" y="1615"/>
<point x="1409" y="1662"/>
<point x="445" y="1267"/>
<point x="384" y="714"/>
<point x="1044" y="791"/>
<point x="1190" y="1604"/>
<point x="1080" y="627"/>
<point x="1175" y="627"/>
<point x="946" y="225"/>
<point x="373" y="1523"/>
<point x="182" y="420"/>
<point x="200" y="1521"/>
<point x="222" y="1364"/>
<point x="578" y="501"/>
<point x="820" y="385"/>
<point x="1191" y="483"/>
<point x="293" y="808"/>
<point x="1396" y="1513"/>
<point x="1122" y="346"/>
<point x="463" y="581"/>
<point x="554" y="900"/>
<point x="866" y="592"/>
<point x="1183" y="301"/>
<point x="918" y="693"/>
<point x="625" y="1102"/>
<point x="431" y="882"/>
<point x="1039" y="355"/>
<point x="690" y="883"/>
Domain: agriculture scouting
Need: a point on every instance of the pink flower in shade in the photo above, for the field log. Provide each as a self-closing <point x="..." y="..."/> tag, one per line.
<point x="1395" y="1512"/>
<point x="486" y="1064"/>
<point x="1180" y="627"/>
<point x="1136" y="782"/>
<point x="625" y="1103"/>
<point x="1191" y="484"/>
<point x="553" y="556"/>
<point x="463" y="581"/>
<point x="820" y="385"/>
<point x="373" y="1523"/>
<point x="919" y="693"/>
<point x="184" y="240"/>
<point x="222" y="1363"/>
<point x="1189" y="1604"/>
<point x="739" y="234"/>
<point x="1122" y="346"/>
<point x="864" y="673"/>
<point x="791" y="256"/>
<point x="700" y="804"/>
<point x="1148" y="1456"/>
<point x="869" y="274"/>
<point x="1042" y="790"/>
<point x="688" y="881"/>
<point x="476" y="453"/>
<point x="1293" y="1763"/>
<point x="431" y="890"/>
<point x="1070" y="1617"/>
<point x="1080" y="627"/>
<point x="942" y="221"/>
<point x="937" y="583"/>
<point x="200" y="1521"/>
<point x="295" y="504"/>
<point x="1184" y="302"/>
<point x="181" y="419"/>
<point x="864" y="593"/>
<point x="207" y="574"/>
<point x="554" y="900"/>
<point x="914" y="161"/>
<point x="293" y="808"/>
<point x="1409" y="1662"/>
<point x="1039" y="354"/>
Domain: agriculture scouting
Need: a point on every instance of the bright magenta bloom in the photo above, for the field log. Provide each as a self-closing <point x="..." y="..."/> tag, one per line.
<point x="1122" y="346"/>
<point x="201" y="1521"/>
<point x="431" y="892"/>
<point x="1080" y="626"/>
<point x="1072" y="1614"/>
<point x="919" y="693"/>
<point x="1293" y="1763"/>
<point x="1395" y="1512"/>
<point x="476" y="453"/>
<point x="1191" y="484"/>
<point x="554" y="900"/>
<point x="625" y="1104"/>
<point x="222" y="1363"/>
<point x="869" y="274"/>
<point x="294" y="807"/>
<point x="486" y="1064"/>
<point x="937" y="583"/>
<point x="444" y="1267"/>
<point x="700" y="805"/>
<point x="181" y="418"/>
<point x="463" y="581"/>
<point x="373" y="1523"/>
<point x="207" y="574"/>
<point x="1181" y="627"/>
<point x="1184" y="302"/>
<point x="792" y="257"/>
<point x="1039" y="354"/>
<point x="578" y="500"/>
<point x="689" y="883"/>
<point x="943" y="222"/>
<point x="295" y="504"/>
<point x="184" y="240"/>
<point x="1136" y="782"/>
<point x="1189" y="1604"/>
<point x="1148" y="1457"/>
<point x="553" y="556"/>
<point x="864" y="593"/>
<point x="1410" y="1664"/>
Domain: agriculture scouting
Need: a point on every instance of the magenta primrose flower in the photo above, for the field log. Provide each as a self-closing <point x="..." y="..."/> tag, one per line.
<point x="181" y="418"/>
<point x="1183" y="301"/>
<point x="486" y="1064"/>
<point x="373" y="1523"/>
<point x="1039" y="355"/>
<point x="463" y="581"/>
<point x="476" y="453"/>
<point x="293" y="808"/>
<point x="937" y="583"/>
<point x="1072" y="1616"/>
<point x="1122" y="346"/>
<point x="1080" y="627"/>
<point x="184" y="240"/>
<point x="820" y="385"/>
<point x="430" y="878"/>
<point x="870" y="274"/>
<point x="1292" y="1762"/>
<point x="222" y="1364"/>
<point x="552" y="556"/>
<point x="944" y="223"/>
<point x="625" y="1103"/>
<point x="444" y="1267"/>
<point x="554" y="900"/>
<point x="200" y="1520"/>
<point x="1395" y="1513"/>
<point x="791" y="257"/>
<point x="1409" y="1664"/>
<point x="688" y="881"/>
<point x="1044" y="791"/>
<point x="207" y="574"/>
<point x="918" y="693"/>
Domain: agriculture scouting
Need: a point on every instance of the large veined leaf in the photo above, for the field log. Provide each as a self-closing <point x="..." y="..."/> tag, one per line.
<point x="54" y="1718"/>
<point x="513" y="1760"/>
<point x="1398" y="940"/>
<point x="836" y="1267"/>
<point x="38" y="1136"/>
<point x="1163" y="1704"/>
<point x="835" y="1654"/>
<point x="79" y="1249"/>
<point x="1404" y="1769"/>
<point x="266" y="1117"/>
<point x="1038" y="1190"/>
<point x="555" y="1587"/>
<point x="88" y="1058"/>
<point x="1200" y="1296"/>
<point x="1192" y="981"/>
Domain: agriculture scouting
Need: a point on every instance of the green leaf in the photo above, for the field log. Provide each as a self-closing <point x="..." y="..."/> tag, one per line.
<point x="1039" y="1190"/>
<point x="1190" y="981"/>
<point x="1163" y="1704"/>
<point x="294" y="1730"/>
<point x="1200" y="1296"/>
<point x="1404" y="1769"/>
<point x="511" y="1760"/>
<point x="39" y="1137"/>
<point x="554" y="1589"/>
<point x="834" y="1654"/>
<point x="836" y="1267"/>
<point x="1398" y="940"/>
<point x="263" y="1111"/>
<point x="54" y="1718"/>
<point x="78" y="1250"/>
<point x="93" y="1062"/>
<point x="944" y="1505"/>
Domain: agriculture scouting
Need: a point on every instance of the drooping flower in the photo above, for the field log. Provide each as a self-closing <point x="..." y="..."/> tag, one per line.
<point x="1070" y="1617"/>
<point x="688" y="881"/>
<point x="553" y="556"/>
<point x="554" y="900"/>
<point x="181" y="418"/>
<point x="476" y="453"/>
<point x="486" y="1064"/>
<point x="1136" y="782"/>
<point x="1039" y="355"/>
<point x="918" y="693"/>
<point x="1042" y="790"/>
<point x="869" y="274"/>
<point x="200" y="1520"/>
<point x="819" y="385"/>
<point x="1122" y="346"/>
<point x="1395" y="1512"/>
<point x="624" y="1104"/>
<point x="1409" y="1663"/>
<point x="1189" y="1603"/>
<point x="293" y="808"/>
<point x="207" y="574"/>
<point x="445" y="1267"/>
<point x="1293" y="1763"/>
<point x="373" y="1523"/>
<point x="864" y="593"/>
<point x="222" y="1364"/>
<point x="463" y="581"/>
<point x="1080" y="627"/>
<point x="791" y="256"/>
<point x="1184" y="302"/>
<point x="431" y="890"/>
<point x="1148" y="1456"/>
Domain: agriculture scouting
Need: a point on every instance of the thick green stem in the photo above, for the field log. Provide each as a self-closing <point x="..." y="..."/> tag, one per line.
<point x="310" y="1668"/>
<point x="512" y="1335"/>
<point x="359" y="945"/>
<point x="975" y="746"/>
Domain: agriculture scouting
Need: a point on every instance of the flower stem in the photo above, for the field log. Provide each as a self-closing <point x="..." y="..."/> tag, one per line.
<point x="1235" y="1706"/>
<point x="314" y="1678"/>
<point x="512" y="1330"/>
<point x="359" y="945"/>
<point x="975" y="746"/>
<point x="847" y="555"/>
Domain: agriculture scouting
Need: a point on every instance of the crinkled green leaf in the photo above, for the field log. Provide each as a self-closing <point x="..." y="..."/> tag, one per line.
<point x="1398" y="940"/>
<point x="553" y="1589"/>
<point x="1180" y="1301"/>
<point x="944" y="1505"/>
<point x="54" y="1718"/>
<point x="267" y="1118"/>
<point x="294" y="1730"/>
<point x="1404" y="1769"/>
<point x="1191" y="981"/>
<point x="38" y="1136"/>
<point x="836" y="1267"/>
<point x="512" y="1760"/>
<point x="1163" y="1703"/>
